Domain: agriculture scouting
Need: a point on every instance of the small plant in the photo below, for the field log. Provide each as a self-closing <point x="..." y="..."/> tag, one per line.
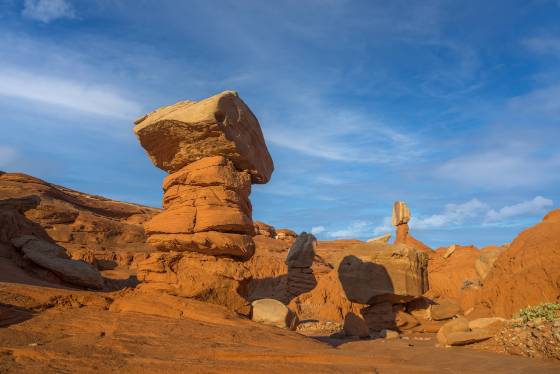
<point x="547" y="311"/>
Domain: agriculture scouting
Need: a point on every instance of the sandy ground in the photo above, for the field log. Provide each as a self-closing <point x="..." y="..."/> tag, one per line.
<point x="53" y="330"/>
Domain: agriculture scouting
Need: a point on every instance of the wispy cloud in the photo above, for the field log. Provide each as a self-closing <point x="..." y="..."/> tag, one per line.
<point x="48" y="10"/>
<point x="452" y="215"/>
<point x="533" y="207"/>
<point x="544" y="45"/>
<point x="317" y="230"/>
<point x="94" y="99"/>
<point x="357" y="229"/>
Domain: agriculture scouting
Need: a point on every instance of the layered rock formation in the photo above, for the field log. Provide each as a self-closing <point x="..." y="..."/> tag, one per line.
<point x="214" y="149"/>
<point x="299" y="261"/>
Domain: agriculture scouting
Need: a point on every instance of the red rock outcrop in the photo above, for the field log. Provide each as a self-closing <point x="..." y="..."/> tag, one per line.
<point x="214" y="149"/>
<point x="528" y="272"/>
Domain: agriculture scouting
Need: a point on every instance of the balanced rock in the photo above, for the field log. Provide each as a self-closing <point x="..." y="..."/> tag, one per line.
<point x="377" y="272"/>
<point x="274" y="313"/>
<point x="214" y="149"/>
<point x="222" y="125"/>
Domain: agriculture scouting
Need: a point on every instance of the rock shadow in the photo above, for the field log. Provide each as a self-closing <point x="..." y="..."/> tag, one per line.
<point x="11" y="315"/>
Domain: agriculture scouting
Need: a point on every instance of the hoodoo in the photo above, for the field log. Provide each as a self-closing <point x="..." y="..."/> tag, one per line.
<point x="213" y="149"/>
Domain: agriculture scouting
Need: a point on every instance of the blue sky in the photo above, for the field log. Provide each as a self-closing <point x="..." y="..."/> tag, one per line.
<point x="451" y="106"/>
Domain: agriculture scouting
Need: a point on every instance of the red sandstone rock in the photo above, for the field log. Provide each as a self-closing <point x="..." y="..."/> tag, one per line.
<point x="222" y="125"/>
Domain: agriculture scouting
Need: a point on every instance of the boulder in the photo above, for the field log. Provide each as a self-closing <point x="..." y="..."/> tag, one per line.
<point x="355" y="326"/>
<point x="460" y="324"/>
<point x="376" y="272"/>
<point x="274" y="313"/>
<point x="54" y="258"/>
<point x="468" y="337"/>
<point x="222" y="125"/>
<point x="302" y="252"/>
<point x="446" y="309"/>
<point x="491" y="323"/>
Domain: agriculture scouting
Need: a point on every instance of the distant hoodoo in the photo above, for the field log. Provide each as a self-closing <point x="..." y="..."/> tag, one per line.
<point x="214" y="150"/>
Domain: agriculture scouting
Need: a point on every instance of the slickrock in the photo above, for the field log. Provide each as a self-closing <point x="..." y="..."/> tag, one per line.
<point x="214" y="149"/>
<point x="73" y="219"/>
<point x="274" y="313"/>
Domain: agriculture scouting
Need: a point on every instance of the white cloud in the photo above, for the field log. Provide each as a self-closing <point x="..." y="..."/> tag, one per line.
<point x="317" y="230"/>
<point x="48" y="10"/>
<point x="339" y="135"/>
<point x="356" y="229"/>
<point x="531" y="207"/>
<point x="500" y="169"/>
<point x="72" y="94"/>
<point x="385" y="227"/>
<point x="453" y="214"/>
<point x="7" y="155"/>
<point x="543" y="45"/>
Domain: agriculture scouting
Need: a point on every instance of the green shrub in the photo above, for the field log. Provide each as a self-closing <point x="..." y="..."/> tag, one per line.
<point x="547" y="311"/>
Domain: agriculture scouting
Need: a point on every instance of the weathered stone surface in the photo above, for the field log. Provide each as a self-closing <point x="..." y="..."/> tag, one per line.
<point x="262" y="228"/>
<point x="274" y="313"/>
<point x="446" y="309"/>
<point x="401" y="213"/>
<point x="217" y="280"/>
<point x="486" y="260"/>
<point x="207" y="210"/>
<point x="450" y="251"/>
<point x="491" y="323"/>
<point x="54" y="258"/>
<point x="207" y="242"/>
<point x="468" y="337"/>
<point x="302" y="252"/>
<point x="460" y="324"/>
<point x="375" y="272"/>
<point x="389" y="334"/>
<point x="355" y="326"/>
<point x="71" y="218"/>
<point x="222" y="125"/>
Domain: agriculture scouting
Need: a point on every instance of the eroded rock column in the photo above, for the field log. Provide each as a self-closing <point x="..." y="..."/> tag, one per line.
<point x="213" y="150"/>
<point x="401" y="217"/>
